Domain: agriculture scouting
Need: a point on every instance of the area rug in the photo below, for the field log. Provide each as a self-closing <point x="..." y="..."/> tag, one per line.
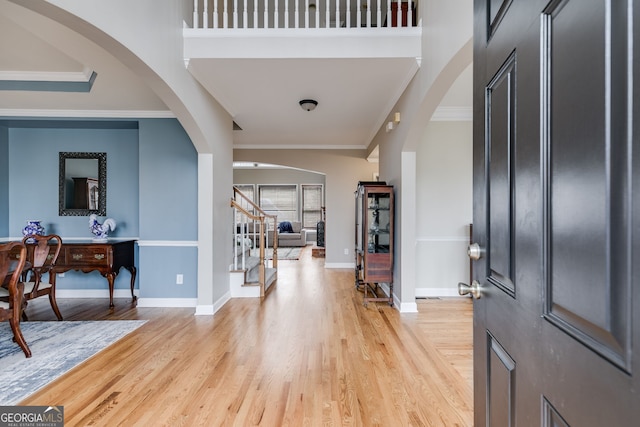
<point x="285" y="253"/>
<point x="56" y="348"/>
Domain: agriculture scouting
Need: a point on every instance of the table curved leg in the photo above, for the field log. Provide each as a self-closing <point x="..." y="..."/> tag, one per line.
<point x="133" y="271"/>
<point x="111" y="276"/>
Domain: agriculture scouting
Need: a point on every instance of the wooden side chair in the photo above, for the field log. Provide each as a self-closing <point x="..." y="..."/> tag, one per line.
<point x="43" y="258"/>
<point x="42" y="254"/>
<point x="13" y="257"/>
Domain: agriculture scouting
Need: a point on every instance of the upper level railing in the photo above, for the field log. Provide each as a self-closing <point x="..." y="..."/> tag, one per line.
<point x="245" y="14"/>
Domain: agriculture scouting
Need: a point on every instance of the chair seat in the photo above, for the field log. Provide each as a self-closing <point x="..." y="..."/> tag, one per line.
<point x="28" y="286"/>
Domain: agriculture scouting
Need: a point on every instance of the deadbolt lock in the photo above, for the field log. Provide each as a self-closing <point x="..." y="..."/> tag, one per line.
<point x="475" y="252"/>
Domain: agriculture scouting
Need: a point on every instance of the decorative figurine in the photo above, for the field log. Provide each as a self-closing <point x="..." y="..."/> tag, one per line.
<point x="101" y="231"/>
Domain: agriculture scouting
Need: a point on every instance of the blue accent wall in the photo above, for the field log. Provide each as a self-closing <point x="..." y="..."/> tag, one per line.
<point x="4" y="181"/>
<point x="34" y="157"/>
<point x="158" y="279"/>
<point x="152" y="172"/>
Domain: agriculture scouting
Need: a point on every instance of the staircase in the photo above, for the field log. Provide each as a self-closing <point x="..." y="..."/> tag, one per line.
<point x="251" y="272"/>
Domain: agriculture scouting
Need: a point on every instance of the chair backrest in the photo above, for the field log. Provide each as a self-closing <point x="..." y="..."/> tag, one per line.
<point x="45" y="252"/>
<point x="13" y="257"/>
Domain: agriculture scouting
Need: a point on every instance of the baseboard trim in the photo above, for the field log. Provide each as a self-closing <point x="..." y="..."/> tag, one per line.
<point x="94" y="293"/>
<point x="340" y="265"/>
<point x="210" y="310"/>
<point x="167" y="302"/>
<point x="204" y="310"/>
<point x="407" y="307"/>
<point x="126" y="294"/>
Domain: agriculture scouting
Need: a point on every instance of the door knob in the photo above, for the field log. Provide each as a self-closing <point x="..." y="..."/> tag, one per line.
<point x="475" y="252"/>
<point x="473" y="289"/>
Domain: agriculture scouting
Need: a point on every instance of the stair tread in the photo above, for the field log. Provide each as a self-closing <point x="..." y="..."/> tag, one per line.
<point x="250" y="262"/>
<point x="252" y="275"/>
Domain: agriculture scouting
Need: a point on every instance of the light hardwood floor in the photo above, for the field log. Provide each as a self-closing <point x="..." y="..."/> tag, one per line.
<point x="310" y="354"/>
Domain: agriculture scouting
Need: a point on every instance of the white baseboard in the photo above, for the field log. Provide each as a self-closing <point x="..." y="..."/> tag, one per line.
<point x="94" y="293"/>
<point x="350" y="265"/>
<point x="146" y="302"/>
<point x="204" y="310"/>
<point x="222" y="301"/>
<point x="167" y="302"/>
<point x="210" y="310"/>
<point x="407" y="307"/>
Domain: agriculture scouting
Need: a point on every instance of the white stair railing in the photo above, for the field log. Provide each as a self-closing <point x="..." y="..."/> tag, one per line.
<point x="245" y="14"/>
<point x="250" y="225"/>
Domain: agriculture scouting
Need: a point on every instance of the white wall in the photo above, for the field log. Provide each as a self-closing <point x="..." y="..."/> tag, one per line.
<point x="444" y="207"/>
<point x="276" y="176"/>
<point x="447" y="51"/>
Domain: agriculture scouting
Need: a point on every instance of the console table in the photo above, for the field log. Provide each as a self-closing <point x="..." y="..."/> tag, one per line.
<point x="106" y="257"/>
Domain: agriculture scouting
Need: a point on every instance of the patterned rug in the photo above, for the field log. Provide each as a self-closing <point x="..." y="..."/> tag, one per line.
<point x="285" y="253"/>
<point x="56" y="348"/>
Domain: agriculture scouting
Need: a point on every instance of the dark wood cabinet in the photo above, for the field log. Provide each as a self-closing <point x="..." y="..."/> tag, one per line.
<point x="106" y="257"/>
<point x="85" y="193"/>
<point x="374" y="240"/>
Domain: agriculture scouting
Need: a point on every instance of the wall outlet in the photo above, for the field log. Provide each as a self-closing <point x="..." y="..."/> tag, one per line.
<point x="346" y="251"/>
<point x="179" y="279"/>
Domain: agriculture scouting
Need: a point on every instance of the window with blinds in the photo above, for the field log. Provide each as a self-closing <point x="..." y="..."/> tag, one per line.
<point x="311" y="205"/>
<point x="280" y="200"/>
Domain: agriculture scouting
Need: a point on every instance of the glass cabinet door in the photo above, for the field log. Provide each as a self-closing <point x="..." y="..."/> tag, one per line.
<point x="378" y="220"/>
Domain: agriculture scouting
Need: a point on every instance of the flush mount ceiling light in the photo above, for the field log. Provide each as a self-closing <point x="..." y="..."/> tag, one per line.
<point x="308" y="104"/>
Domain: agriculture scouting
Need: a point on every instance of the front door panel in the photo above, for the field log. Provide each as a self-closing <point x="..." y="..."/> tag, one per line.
<point x="557" y="210"/>
<point x="499" y="144"/>
<point x="587" y="185"/>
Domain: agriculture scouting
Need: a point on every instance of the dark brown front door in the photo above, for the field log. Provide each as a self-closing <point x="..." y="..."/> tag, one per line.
<point x="557" y="213"/>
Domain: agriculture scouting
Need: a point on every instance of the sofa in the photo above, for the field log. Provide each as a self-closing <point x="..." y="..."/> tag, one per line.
<point x="297" y="236"/>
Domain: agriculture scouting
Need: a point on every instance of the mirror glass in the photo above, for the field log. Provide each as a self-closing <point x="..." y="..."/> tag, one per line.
<point x="82" y="184"/>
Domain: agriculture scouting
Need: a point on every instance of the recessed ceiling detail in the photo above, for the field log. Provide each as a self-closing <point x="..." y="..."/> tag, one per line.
<point x="35" y="81"/>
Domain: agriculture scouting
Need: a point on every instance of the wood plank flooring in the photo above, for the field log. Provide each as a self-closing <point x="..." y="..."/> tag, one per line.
<point x="310" y="354"/>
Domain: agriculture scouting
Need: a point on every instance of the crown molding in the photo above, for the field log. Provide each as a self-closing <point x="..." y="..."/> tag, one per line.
<point x="297" y="147"/>
<point x="49" y="81"/>
<point x="48" y="76"/>
<point x="137" y="114"/>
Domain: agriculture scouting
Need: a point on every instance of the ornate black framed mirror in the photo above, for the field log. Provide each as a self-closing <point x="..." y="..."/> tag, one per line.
<point x="82" y="184"/>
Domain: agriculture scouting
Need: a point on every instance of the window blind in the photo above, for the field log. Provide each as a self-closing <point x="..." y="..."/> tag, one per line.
<point x="311" y="205"/>
<point x="280" y="200"/>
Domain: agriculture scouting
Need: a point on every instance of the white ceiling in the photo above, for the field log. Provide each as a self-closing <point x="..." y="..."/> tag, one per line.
<point x="355" y="95"/>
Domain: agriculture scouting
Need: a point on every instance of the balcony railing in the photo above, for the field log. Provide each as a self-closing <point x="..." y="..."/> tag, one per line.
<point x="241" y="14"/>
